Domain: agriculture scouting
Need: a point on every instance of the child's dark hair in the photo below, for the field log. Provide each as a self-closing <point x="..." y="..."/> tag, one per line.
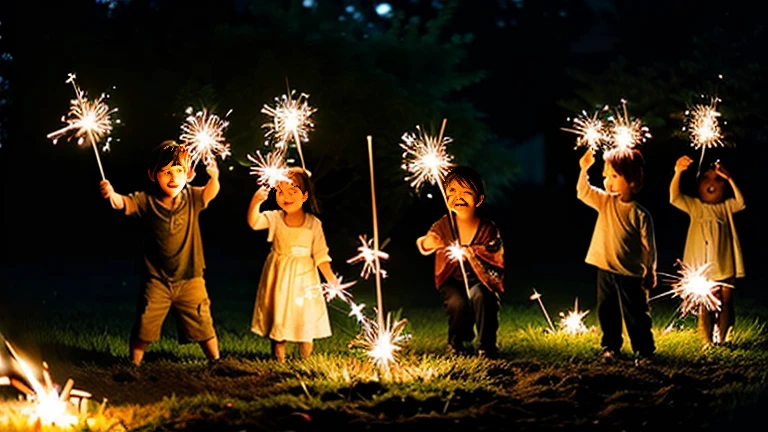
<point x="467" y="177"/>
<point x="167" y="152"/>
<point x="628" y="164"/>
<point x="301" y="180"/>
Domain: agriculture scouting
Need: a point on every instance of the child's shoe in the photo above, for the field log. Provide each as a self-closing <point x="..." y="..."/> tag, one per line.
<point x="643" y="359"/>
<point x="608" y="356"/>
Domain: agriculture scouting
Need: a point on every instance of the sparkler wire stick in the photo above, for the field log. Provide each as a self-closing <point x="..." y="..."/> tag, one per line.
<point x="380" y="309"/>
<point x="537" y="296"/>
<point x="98" y="158"/>
<point x="298" y="147"/>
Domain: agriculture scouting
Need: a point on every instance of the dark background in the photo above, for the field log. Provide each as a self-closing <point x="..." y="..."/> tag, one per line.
<point x="518" y="70"/>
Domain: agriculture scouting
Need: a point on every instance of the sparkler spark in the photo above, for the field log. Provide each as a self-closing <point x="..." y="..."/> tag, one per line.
<point x="695" y="289"/>
<point x="573" y="323"/>
<point x="591" y="131"/>
<point x="332" y="290"/>
<point x="270" y="169"/>
<point x="625" y="133"/>
<point x="87" y="120"/>
<point x="455" y="251"/>
<point x="703" y="125"/>
<point x="203" y="135"/>
<point x="382" y="343"/>
<point x="425" y="158"/>
<point x="368" y="255"/>
<point x="290" y="121"/>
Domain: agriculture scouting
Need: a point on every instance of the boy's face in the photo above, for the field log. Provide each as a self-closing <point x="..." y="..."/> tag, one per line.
<point x="171" y="179"/>
<point x="615" y="183"/>
<point x="711" y="187"/>
<point x="461" y="199"/>
<point x="289" y="197"/>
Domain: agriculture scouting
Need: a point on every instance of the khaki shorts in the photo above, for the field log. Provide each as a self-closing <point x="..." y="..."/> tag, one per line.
<point x="191" y="305"/>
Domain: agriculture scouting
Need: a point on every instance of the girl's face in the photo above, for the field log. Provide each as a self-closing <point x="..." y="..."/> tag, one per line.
<point x="461" y="199"/>
<point x="616" y="183"/>
<point x="711" y="187"/>
<point x="289" y="197"/>
<point x="171" y="179"/>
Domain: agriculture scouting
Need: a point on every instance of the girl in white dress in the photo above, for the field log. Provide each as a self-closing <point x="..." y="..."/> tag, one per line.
<point x="289" y="306"/>
<point x="712" y="240"/>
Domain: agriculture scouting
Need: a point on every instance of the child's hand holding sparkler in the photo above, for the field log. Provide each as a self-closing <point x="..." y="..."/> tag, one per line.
<point x="261" y="195"/>
<point x="212" y="169"/>
<point x="587" y="159"/>
<point x="432" y="241"/>
<point x="683" y="163"/>
<point x="722" y="172"/>
<point x="108" y="192"/>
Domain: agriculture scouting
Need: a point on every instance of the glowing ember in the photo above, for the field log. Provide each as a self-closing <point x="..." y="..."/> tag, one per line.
<point x="203" y="135"/>
<point x="368" y="255"/>
<point x="382" y="343"/>
<point x="290" y="121"/>
<point x="270" y="169"/>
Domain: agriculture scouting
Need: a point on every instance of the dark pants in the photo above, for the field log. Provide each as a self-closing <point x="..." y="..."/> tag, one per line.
<point x="624" y="297"/>
<point x="463" y="315"/>
<point x="723" y="319"/>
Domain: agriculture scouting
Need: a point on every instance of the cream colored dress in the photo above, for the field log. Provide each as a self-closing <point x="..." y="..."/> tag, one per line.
<point x="289" y="304"/>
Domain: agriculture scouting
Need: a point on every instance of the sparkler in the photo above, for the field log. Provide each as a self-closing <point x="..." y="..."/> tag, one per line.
<point x="270" y="169"/>
<point x="704" y="128"/>
<point x="290" y="121"/>
<point x="203" y="135"/>
<point x="537" y="296"/>
<point x="380" y="339"/>
<point x="573" y="322"/>
<point x="332" y="290"/>
<point x="88" y="120"/>
<point x="370" y="256"/>
<point x="694" y="289"/>
<point x="625" y="133"/>
<point x="428" y="161"/>
<point x="591" y="130"/>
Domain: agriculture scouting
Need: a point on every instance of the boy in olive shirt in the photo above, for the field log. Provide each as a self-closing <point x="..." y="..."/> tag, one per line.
<point x="173" y="250"/>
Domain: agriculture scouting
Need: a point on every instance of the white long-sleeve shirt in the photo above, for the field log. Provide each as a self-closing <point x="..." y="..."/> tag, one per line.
<point x="623" y="241"/>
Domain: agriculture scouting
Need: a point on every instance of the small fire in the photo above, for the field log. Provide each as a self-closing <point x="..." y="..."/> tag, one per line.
<point x="573" y="323"/>
<point x="47" y="406"/>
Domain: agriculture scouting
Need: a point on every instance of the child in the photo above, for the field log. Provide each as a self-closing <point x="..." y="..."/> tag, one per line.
<point x="173" y="250"/>
<point x="712" y="239"/>
<point x="286" y="310"/>
<point x="623" y="248"/>
<point x="483" y="264"/>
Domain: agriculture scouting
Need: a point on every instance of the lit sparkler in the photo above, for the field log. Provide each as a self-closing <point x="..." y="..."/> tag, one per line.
<point x="704" y="127"/>
<point x="48" y="406"/>
<point x="369" y="256"/>
<point x="332" y="290"/>
<point x="537" y="296"/>
<point x="382" y="341"/>
<point x="625" y="133"/>
<point x="591" y="131"/>
<point x="203" y="135"/>
<point x="270" y="169"/>
<point x="425" y="157"/>
<point x="88" y="120"/>
<point x="290" y="121"/>
<point x="573" y="323"/>
<point x="694" y="289"/>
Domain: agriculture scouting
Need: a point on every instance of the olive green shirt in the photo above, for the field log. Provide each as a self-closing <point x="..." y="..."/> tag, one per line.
<point x="173" y="247"/>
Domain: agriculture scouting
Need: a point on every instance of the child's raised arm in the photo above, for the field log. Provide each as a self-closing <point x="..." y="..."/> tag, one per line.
<point x="676" y="198"/>
<point x="584" y="191"/>
<point x="737" y="203"/>
<point x="256" y="220"/>
<point x="108" y="192"/>
<point x="212" y="187"/>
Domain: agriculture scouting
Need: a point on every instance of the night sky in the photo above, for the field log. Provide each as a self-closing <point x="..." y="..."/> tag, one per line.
<point x="54" y="225"/>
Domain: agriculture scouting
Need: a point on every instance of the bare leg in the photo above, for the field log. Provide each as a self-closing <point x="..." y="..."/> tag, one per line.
<point x="211" y="348"/>
<point x="138" y="347"/>
<point x="727" y="315"/>
<point x="278" y="350"/>
<point x="305" y="349"/>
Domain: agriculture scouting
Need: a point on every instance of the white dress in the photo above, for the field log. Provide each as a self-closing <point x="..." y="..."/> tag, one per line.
<point x="289" y="304"/>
